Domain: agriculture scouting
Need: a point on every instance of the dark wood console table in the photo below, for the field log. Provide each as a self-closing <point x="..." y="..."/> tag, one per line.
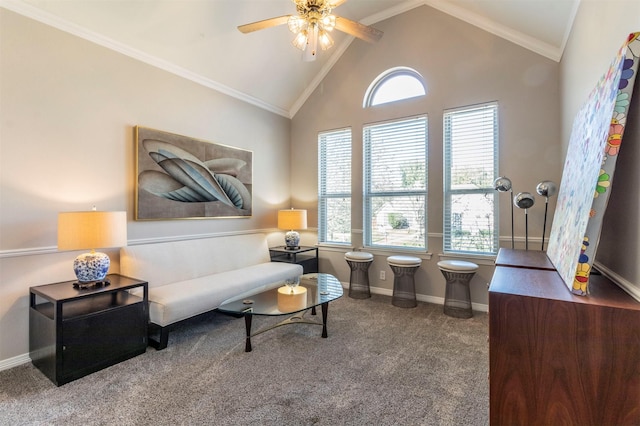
<point x="74" y="332"/>
<point x="558" y="358"/>
<point x="305" y="256"/>
<point x="524" y="259"/>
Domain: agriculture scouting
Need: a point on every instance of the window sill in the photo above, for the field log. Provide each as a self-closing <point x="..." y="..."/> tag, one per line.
<point x="480" y="259"/>
<point x="375" y="251"/>
<point x="336" y="247"/>
<point x="397" y="252"/>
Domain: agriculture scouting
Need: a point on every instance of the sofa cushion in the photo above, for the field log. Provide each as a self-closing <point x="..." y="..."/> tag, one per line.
<point x="170" y="262"/>
<point x="183" y="299"/>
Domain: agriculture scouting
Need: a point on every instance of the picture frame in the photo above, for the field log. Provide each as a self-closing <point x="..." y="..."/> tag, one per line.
<point x="589" y="167"/>
<point x="180" y="177"/>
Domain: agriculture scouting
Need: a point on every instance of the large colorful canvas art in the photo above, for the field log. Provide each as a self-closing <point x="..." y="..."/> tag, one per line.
<point x="180" y="177"/>
<point x="587" y="177"/>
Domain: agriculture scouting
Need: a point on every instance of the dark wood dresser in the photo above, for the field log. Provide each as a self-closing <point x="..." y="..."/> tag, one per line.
<point x="557" y="358"/>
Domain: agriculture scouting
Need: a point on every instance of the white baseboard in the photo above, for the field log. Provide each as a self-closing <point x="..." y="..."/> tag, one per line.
<point x="626" y="285"/>
<point x="6" y="364"/>
<point x="480" y="307"/>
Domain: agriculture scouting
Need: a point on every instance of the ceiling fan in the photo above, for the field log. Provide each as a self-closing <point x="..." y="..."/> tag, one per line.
<point x="313" y="24"/>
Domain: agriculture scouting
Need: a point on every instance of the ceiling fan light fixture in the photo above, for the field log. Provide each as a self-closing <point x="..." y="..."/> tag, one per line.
<point x="297" y="24"/>
<point x="311" y="49"/>
<point x="300" y="41"/>
<point x="325" y="40"/>
<point x="328" y="22"/>
<point x="313" y="24"/>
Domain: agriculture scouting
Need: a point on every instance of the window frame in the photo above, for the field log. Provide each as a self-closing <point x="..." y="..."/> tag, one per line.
<point x="385" y="78"/>
<point x="323" y="196"/>
<point x="487" y="190"/>
<point x="369" y="194"/>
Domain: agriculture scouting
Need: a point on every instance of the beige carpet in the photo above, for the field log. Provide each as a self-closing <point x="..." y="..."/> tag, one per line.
<point x="380" y="365"/>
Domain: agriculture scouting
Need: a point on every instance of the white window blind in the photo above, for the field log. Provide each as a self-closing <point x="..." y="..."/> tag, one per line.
<point x="395" y="184"/>
<point x="470" y="167"/>
<point x="334" y="186"/>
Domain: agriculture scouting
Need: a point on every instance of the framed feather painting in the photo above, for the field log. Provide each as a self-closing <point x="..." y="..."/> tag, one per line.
<point x="179" y="177"/>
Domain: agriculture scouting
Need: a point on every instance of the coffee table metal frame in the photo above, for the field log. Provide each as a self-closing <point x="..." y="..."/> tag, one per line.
<point x="321" y="289"/>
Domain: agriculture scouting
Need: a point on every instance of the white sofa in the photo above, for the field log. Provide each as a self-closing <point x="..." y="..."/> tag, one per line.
<point x="191" y="277"/>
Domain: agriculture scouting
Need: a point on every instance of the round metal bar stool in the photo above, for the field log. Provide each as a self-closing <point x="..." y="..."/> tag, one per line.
<point x="404" y="286"/>
<point x="457" y="299"/>
<point x="359" y="262"/>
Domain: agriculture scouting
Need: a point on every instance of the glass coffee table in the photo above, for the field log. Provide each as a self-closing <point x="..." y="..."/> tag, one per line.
<point x="295" y="298"/>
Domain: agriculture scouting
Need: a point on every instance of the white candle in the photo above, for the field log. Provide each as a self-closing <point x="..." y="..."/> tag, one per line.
<point x="292" y="299"/>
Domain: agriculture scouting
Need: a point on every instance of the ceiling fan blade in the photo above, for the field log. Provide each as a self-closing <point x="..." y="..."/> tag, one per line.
<point x="261" y="25"/>
<point x="357" y="29"/>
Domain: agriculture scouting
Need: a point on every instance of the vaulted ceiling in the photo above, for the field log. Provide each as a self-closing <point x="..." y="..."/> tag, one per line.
<point x="198" y="39"/>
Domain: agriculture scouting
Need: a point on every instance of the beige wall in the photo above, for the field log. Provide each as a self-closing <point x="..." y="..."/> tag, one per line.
<point x="599" y="30"/>
<point x="68" y="108"/>
<point x="462" y="65"/>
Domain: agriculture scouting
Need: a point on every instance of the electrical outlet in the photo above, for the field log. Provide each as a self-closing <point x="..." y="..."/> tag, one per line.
<point x="383" y="275"/>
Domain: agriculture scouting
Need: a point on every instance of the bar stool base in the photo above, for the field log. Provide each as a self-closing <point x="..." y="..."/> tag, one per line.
<point x="458" y="275"/>
<point x="359" y="263"/>
<point x="404" y="285"/>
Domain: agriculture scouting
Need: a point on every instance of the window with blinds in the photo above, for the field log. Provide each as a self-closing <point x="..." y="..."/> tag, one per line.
<point x="470" y="167"/>
<point x="395" y="184"/>
<point x="334" y="186"/>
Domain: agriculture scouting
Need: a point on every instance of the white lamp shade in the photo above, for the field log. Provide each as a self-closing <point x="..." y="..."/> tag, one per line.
<point x="91" y="230"/>
<point x="292" y="219"/>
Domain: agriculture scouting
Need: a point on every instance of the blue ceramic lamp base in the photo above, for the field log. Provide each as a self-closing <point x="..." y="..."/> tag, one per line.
<point x="91" y="269"/>
<point x="292" y="240"/>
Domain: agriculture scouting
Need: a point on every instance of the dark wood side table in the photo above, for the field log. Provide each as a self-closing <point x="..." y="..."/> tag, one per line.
<point x="558" y="358"/>
<point x="306" y="256"/>
<point x="74" y="332"/>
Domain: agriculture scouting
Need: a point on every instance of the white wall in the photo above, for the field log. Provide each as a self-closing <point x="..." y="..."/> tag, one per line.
<point x="599" y="30"/>
<point x="68" y="108"/>
<point x="462" y="65"/>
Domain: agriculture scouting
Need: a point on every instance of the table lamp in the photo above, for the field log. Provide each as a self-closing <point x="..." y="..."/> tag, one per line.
<point x="91" y="230"/>
<point x="291" y="220"/>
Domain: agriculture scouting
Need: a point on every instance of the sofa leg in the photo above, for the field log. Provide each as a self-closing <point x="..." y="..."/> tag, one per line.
<point x="163" y="340"/>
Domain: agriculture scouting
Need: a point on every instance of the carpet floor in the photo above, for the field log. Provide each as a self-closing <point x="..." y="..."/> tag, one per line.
<point x="380" y="365"/>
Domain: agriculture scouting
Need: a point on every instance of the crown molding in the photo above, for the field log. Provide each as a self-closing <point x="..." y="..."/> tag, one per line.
<point x="567" y="31"/>
<point x="552" y="52"/>
<point x="545" y="49"/>
<point x="39" y="15"/>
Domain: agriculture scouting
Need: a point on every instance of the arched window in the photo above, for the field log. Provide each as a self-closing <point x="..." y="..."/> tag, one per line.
<point x="394" y="84"/>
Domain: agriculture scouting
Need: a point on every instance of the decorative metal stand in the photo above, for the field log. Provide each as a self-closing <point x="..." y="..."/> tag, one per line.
<point x="524" y="200"/>
<point x="547" y="189"/>
<point x="503" y="184"/>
